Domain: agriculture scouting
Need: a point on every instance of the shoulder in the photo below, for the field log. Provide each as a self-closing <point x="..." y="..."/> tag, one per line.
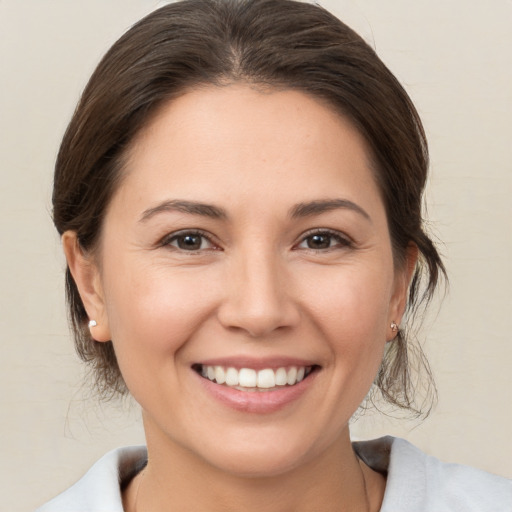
<point x="100" y="488"/>
<point x="416" y="481"/>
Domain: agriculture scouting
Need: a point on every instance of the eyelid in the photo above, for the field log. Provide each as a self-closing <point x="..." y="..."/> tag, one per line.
<point x="168" y="238"/>
<point x="346" y="241"/>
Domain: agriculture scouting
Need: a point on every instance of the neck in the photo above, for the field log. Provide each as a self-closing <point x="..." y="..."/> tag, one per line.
<point x="176" y="479"/>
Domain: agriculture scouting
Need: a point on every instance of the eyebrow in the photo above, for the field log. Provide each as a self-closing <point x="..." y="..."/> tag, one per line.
<point x="322" y="206"/>
<point x="191" y="207"/>
<point x="307" y="209"/>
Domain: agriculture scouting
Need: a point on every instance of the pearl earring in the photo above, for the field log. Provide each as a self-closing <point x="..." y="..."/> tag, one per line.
<point x="394" y="327"/>
<point x="92" y="323"/>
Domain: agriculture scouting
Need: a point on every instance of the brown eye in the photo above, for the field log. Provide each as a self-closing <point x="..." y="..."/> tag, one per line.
<point x="323" y="240"/>
<point x="189" y="241"/>
<point x="319" y="241"/>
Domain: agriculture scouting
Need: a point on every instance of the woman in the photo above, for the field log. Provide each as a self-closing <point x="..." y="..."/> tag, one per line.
<point x="239" y="198"/>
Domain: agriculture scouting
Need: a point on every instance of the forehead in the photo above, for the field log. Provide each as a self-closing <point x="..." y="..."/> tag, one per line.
<point x="215" y="143"/>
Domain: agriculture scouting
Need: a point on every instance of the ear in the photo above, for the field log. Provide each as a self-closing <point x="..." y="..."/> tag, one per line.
<point x="87" y="277"/>
<point x="403" y="276"/>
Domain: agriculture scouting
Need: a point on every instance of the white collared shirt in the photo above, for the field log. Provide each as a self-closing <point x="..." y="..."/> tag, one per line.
<point x="416" y="482"/>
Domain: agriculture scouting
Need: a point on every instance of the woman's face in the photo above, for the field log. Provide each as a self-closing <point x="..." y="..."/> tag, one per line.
<point x="247" y="241"/>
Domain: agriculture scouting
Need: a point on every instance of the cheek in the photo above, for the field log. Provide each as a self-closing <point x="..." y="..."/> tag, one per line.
<point x="352" y="305"/>
<point x="152" y="312"/>
<point x="351" y="315"/>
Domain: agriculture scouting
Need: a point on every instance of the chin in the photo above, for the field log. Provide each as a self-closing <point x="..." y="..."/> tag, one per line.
<point x="257" y="463"/>
<point x="261" y="455"/>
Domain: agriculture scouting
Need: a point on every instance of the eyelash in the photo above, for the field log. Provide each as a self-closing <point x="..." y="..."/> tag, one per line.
<point x="341" y="240"/>
<point x="174" y="237"/>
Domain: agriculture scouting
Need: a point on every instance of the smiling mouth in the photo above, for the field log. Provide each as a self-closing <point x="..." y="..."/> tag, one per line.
<point x="249" y="379"/>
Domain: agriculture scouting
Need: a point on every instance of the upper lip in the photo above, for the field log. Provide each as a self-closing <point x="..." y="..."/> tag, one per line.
<point x="256" y="363"/>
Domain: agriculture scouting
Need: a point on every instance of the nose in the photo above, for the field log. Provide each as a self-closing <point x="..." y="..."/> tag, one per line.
<point x="258" y="296"/>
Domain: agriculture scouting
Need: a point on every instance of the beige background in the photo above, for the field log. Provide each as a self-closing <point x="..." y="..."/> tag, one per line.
<point x="455" y="59"/>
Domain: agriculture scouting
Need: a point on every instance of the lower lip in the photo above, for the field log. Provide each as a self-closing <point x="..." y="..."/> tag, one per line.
<point x="258" y="402"/>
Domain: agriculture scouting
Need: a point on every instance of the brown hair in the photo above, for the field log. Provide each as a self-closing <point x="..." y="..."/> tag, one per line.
<point x="274" y="43"/>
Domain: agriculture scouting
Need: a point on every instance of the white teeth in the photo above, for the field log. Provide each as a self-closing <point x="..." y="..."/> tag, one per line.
<point x="251" y="379"/>
<point x="266" y="378"/>
<point x="291" y="377"/>
<point x="247" y="378"/>
<point x="220" y="375"/>
<point x="281" y="377"/>
<point x="232" y="377"/>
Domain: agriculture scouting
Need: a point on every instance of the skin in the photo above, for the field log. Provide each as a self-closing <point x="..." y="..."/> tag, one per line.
<point x="255" y="286"/>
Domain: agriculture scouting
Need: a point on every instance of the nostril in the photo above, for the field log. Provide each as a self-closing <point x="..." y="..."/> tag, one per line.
<point x="257" y="297"/>
<point x="258" y="322"/>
